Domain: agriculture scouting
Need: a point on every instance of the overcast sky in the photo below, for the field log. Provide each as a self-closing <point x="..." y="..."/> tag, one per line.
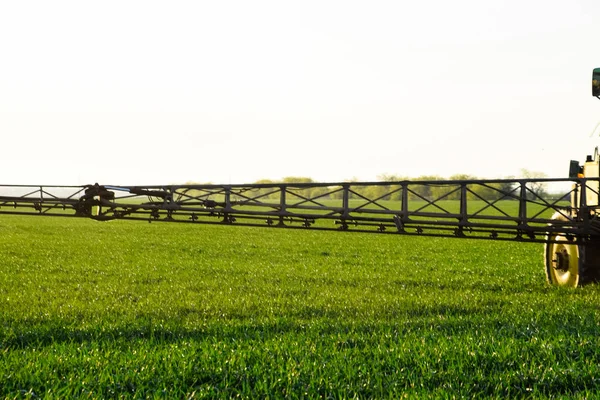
<point x="147" y="92"/>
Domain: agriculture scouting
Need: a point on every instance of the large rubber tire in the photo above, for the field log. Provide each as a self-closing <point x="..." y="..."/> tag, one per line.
<point x="589" y="263"/>
<point x="571" y="265"/>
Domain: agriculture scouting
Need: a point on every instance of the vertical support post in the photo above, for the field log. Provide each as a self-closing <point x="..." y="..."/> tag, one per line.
<point x="345" y="205"/>
<point x="345" y="200"/>
<point x="522" y="206"/>
<point x="400" y="220"/>
<point x="584" y="212"/>
<point x="226" y="217"/>
<point x="463" y="207"/>
<point x="575" y="196"/>
<point x="282" y="204"/>
<point x="227" y="198"/>
<point x="168" y="203"/>
<point x="41" y="198"/>
<point x="404" y="202"/>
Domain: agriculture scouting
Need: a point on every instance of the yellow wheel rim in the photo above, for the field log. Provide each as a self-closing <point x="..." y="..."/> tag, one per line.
<point x="562" y="263"/>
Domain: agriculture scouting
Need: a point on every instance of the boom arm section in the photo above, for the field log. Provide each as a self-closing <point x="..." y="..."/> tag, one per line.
<point x="519" y="210"/>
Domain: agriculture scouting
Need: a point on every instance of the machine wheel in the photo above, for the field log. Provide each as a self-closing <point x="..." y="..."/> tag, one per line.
<point x="571" y="265"/>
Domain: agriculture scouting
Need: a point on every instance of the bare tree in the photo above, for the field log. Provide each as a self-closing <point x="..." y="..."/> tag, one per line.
<point x="537" y="188"/>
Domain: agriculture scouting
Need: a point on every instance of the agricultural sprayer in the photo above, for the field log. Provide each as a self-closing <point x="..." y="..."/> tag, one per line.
<point x="522" y="210"/>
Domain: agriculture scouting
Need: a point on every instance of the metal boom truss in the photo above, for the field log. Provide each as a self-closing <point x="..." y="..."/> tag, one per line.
<point x="518" y="210"/>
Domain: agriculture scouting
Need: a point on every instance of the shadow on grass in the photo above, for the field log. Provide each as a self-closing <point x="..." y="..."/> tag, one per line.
<point x="439" y="341"/>
<point x="441" y="320"/>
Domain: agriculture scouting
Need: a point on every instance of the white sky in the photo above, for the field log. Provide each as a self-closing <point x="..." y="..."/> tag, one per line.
<point x="148" y="92"/>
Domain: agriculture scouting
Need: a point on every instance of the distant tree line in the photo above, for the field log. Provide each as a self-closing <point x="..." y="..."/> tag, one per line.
<point x="393" y="191"/>
<point x="449" y="191"/>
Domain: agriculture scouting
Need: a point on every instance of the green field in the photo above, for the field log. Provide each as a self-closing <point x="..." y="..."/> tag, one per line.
<point x="131" y="309"/>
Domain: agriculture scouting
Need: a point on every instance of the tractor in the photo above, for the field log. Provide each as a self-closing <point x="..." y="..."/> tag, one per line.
<point x="478" y="209"/>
